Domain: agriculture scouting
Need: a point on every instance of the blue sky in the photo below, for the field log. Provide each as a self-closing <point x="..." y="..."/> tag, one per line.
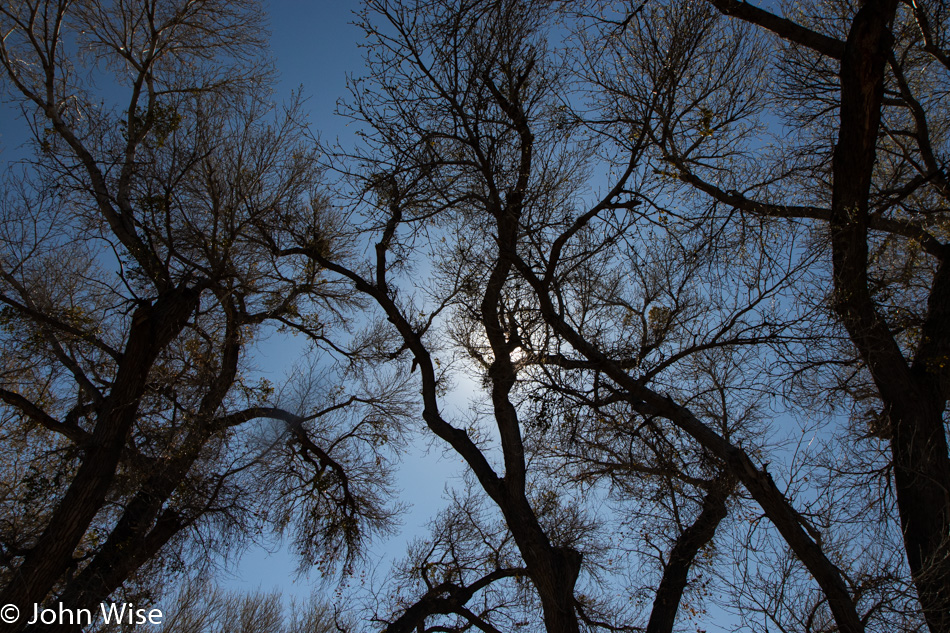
<point x="316" y="47"/>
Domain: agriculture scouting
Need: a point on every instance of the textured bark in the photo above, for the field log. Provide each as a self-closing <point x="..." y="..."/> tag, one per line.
<point x="142" y="530"/>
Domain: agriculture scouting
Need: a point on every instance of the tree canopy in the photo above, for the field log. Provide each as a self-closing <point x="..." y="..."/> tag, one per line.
<point x="140" y="261"/>
<point x="669" y="278"/>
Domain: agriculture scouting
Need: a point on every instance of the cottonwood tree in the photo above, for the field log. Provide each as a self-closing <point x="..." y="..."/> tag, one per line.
<point x="614" y="332"/>
<point x="137" y="267"/>
<point x="465" y="573"/>
<point x="577" y="218"/>
<point x="859" y="93"/>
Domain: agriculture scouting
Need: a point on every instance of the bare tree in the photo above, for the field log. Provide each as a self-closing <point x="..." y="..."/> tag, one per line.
<point x="202" y="607"/>
<point x="137" y="267"/>
<point x="620" y="334"/>
<point x="638" y="239"/>
<point x="859" y="92"/>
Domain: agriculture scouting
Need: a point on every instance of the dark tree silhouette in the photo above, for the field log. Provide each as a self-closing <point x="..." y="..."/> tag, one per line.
<point x="137" y="267"/>
<point x="669" y="278"/>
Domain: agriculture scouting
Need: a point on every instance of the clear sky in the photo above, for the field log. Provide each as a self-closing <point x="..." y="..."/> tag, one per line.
<point x="316" y="46"/>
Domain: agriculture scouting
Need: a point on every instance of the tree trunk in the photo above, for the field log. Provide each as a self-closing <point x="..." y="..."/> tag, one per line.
<point x="912" y="396"/>
<point x="687" y="546"/>
<point x="153" y="326"/>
